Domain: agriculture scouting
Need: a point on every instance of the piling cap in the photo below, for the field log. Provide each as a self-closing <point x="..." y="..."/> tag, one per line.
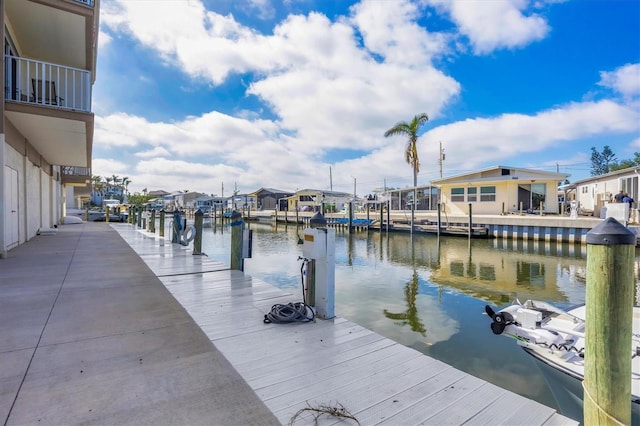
<point x="611" y="232"/>
<point x="317" y="221"/>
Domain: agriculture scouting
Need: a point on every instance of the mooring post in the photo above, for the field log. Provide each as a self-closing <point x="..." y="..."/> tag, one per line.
<point x="152" y="222"/>
<point x="161" y="224"/>
<point x="297" y="213"/>
<point x="388" y="214"/>
<point x="439" y="219"/>
<point x="177" y="227"/>
<point x="237" y="227"/>
<point x="106" y="212"/>
<point x="197" y="241"/>
<point x="381" y="215"/>
<point x="609" y="316"/>
<point x="521" y="206"/>
<point x="350" y="217"/>
<point x="86" y="213"/>
<point x="139" y="216"/>
<point x="130" y="212"/>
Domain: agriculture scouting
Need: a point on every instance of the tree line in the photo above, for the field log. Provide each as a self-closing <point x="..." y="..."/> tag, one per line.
<point x="605" y="161"/>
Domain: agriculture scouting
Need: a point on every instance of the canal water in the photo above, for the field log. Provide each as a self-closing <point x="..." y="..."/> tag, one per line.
<point x="429" y="293"/>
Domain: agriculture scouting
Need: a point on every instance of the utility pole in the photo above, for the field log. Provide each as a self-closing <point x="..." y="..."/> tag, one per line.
<point x="441" y="159"/>
<point x="330" y="180"/>
<point x="354" y="188"/>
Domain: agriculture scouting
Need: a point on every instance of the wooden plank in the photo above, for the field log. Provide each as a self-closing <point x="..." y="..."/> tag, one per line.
<point x="292" y="366"/>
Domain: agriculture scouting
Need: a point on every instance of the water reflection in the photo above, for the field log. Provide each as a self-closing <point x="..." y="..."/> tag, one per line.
<point x="429" y="293"/>
<point x="410" y="315"/>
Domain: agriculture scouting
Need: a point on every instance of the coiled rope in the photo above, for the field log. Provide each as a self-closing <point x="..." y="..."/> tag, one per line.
<point x="292" y="311"/>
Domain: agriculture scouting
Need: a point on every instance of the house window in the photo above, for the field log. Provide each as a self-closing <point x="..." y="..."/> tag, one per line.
<point x="585" y="189"/>
<point x="472" y="194"/>
<point x="538" y="195"/>
<point x="487" y="193"/>
<point x="457" y="194"/>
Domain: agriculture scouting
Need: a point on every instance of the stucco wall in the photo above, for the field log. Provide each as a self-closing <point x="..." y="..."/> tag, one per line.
<point x="33" y="195"/>
<point x="16" y="161"/>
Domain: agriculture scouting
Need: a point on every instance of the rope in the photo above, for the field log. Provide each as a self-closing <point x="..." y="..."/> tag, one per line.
<point x="600" y="409"/>
<point x="292" y="312"/>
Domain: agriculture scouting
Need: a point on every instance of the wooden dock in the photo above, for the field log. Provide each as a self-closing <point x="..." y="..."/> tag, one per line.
<point x="332" y="363"/>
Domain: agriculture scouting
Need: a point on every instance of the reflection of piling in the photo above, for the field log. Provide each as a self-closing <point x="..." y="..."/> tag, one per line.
<point x="197" y="241"/>
<point x="237" y="226"/>
<point x="609" y="319"/>
<point x="162" y="223"/>
<point x="470" y="220"/>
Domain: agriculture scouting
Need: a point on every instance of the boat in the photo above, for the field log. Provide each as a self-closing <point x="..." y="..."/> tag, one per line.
<point x="555" y="338"/>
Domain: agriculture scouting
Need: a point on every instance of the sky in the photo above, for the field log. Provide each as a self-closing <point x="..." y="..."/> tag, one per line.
<point x="218" y="96"/>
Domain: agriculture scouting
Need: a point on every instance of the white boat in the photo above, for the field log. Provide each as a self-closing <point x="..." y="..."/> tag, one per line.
<point x="556" y="340"/>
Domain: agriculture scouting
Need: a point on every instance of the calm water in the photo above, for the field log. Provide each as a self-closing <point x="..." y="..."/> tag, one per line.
<point x="429" y="293"/>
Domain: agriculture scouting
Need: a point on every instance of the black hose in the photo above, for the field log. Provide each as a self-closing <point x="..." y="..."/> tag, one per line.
<point x="292" y="312"/>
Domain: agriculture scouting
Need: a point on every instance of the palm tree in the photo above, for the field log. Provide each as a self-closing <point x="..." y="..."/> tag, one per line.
<point x="125" y="184"/>
<point x="411" y="153"/>
<point x="109" y="189"/>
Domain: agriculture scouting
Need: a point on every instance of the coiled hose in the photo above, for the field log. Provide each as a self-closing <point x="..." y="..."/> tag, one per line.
<point x="292" y="311"/>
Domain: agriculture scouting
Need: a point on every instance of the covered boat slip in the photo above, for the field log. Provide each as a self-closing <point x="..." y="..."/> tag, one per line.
<point x="328" y="363"/>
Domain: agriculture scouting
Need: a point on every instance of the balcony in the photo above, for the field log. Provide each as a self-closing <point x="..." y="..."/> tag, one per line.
<point x="76" y="176"/>
<point x="45" y="84"/>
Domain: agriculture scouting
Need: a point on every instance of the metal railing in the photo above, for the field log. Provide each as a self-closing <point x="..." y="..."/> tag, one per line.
<point x="43" y="83"/>
<point x="87" y="2"/>
<point x="76" y="171"/>
<point x="77" y="175"/>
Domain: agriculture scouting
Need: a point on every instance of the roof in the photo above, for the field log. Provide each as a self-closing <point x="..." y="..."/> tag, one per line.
<point x="497" y="174"/>
<point x="598" y="178"/>
<point x="271" y="191"/>
<point x="326" y="194"/>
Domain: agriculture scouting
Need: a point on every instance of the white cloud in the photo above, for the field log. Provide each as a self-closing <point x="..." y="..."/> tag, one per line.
<point x="158" y="151"/>
<point x="108" y="167"/>
<point x="331" y="85"/>
<point x="104" y="39"/>
<point x="624" y="80"/>
<point x="495" y="24"/>
<point x="474" y="142"/>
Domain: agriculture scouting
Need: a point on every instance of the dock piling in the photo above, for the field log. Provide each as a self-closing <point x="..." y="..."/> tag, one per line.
<point x="237" y="228"/>
<point x="609" y="316"/>
<point x="197" y="241"/>
<point x="162" y="214"/>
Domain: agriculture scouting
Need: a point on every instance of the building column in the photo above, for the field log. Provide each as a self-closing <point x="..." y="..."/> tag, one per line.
<point x="3" y="195"/>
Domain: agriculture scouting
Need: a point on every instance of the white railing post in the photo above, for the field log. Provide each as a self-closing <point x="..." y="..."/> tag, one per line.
<point x="34" y="82"/>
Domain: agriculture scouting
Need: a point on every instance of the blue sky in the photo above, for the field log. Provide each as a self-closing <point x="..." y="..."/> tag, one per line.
<point x="292" y="94"/>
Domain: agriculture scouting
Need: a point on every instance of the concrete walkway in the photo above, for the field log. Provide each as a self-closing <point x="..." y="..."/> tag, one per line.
<point x="89" y="335"/>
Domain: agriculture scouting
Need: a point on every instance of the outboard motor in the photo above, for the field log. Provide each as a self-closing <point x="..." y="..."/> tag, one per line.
<point x="500" y="320"/>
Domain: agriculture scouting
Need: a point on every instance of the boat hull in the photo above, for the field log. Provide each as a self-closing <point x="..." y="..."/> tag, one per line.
<point x="567" y="390"/>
